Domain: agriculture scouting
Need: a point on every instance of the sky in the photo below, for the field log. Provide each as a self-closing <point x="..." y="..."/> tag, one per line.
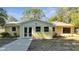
<point x="17" y="12"/>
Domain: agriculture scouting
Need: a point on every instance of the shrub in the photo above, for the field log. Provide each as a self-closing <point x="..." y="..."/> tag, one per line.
<point x="54" y="34"/>
<point x="16" y="35"/>
<point x="5" y="34"/>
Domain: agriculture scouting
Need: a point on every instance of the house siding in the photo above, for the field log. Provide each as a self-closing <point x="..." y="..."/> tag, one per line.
<point x="58" y="30"/>
<point x="9" y="30"/>
<point x="37" y="35"/>
<point x="42" y="34"/>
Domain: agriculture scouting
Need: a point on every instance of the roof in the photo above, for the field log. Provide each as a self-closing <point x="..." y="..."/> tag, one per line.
<point x="11" y="19"/>
<point x="35" y="20"/>
<point x="22" y="22"/>
<point x="12" y="23"/>
<point x="57" y="23"/>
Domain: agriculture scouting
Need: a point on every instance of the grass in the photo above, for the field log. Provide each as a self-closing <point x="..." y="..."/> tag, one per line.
<point x="58" y="44"/>
<point x="4" y="41"/>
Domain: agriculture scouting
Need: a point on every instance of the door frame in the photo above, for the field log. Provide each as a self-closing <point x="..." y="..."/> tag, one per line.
<point x="28" y="34"/>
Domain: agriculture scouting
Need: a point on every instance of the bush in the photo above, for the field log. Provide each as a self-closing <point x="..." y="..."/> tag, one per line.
<point x="16" y="35"/>
<point x="5" y="34"/>
<point x="54" y="35"/>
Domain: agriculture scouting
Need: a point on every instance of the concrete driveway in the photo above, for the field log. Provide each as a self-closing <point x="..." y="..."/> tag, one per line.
<point x="17" y="45"/>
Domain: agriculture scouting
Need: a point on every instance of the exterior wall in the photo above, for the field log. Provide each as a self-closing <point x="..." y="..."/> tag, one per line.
<point x="9" y="30"/>
<point x="59" y="30"/>
<point x="42" y="34"/>
<point x="2" y="29"/>
<point x="37" y="35"/>
<point x="72" y="30"/>
<point x="21" y="31"/>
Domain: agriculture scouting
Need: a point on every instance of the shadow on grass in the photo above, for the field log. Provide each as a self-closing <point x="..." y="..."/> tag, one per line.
<point x="55" y="44"/>
<point x="4" y="41"/>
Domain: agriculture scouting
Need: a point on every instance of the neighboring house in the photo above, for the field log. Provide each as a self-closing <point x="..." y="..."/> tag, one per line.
<point x="12" y="28"/>
<point x="38" y="29"/>
<point x="10" y="19"/>
<point x="2" y="29"/>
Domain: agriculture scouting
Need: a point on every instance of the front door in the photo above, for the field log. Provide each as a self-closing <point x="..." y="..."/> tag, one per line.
<point x="28" y="32"/>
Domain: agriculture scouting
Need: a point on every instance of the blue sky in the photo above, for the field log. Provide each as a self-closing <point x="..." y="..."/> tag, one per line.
<point x="17" y="12"/>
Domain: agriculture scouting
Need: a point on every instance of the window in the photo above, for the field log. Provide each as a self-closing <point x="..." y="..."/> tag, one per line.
<point x="66" y="30"/>
<point x="46" y="29"/>
<point x="25" y="31"/>
<point x="53" y="28"/>
<point x="38" y="29"/>
<point x="13" y="28"/>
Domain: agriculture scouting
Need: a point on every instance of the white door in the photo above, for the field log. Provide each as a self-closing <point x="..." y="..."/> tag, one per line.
<point x="28" y="32"/>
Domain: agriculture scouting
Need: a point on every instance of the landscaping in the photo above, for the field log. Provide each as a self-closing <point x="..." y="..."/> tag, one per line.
<point x="57" y="44"/>
<point x="6" y="38"/>
<point x="4" y="41"/>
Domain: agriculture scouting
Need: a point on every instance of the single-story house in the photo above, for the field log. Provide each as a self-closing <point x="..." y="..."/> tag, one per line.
<point x="38" y="29"/>
<point x="30" y="29"/>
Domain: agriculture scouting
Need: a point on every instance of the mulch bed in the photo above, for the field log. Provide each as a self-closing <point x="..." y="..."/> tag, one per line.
<point x="54" y="45"/>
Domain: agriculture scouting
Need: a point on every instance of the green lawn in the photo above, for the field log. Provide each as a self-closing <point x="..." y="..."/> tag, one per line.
<point x="54" y="45"/>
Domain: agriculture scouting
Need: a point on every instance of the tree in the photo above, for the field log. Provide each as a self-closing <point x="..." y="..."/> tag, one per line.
<point x="33" y="13"/>
<point x="64" y="14"/>
<point x="3" y="17"/>
<point x="68" y="15"/>
<point x="53" y="18"/>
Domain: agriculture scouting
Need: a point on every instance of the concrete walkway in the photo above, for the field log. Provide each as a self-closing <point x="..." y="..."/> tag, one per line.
<point x="18" y="45"/>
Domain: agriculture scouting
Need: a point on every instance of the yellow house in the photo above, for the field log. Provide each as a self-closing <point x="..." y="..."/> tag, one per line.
<point x="63" y="29"/>
<point x="30" y="29"/>
<point x="38" y="29"/>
